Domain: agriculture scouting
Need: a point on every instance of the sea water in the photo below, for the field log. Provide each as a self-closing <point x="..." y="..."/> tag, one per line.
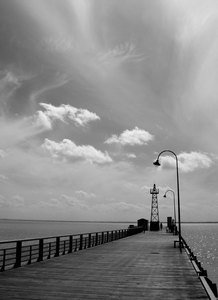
<point x="203" y="241"/>
<point x="26" y="229"/>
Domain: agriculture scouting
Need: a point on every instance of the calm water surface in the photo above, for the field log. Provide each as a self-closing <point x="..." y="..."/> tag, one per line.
<point x="202" y="238"/>
<point x="20" y="229"/>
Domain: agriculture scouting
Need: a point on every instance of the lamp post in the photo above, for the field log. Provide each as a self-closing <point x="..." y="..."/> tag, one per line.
<point x="165" y="195"/>
<point x="157" y="163"/>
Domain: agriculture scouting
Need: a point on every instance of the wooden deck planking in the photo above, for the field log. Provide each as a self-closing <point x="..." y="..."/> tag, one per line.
<point x="144" y="266"/>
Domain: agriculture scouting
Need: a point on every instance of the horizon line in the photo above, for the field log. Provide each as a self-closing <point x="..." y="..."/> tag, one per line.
<point x="97" y="221"/>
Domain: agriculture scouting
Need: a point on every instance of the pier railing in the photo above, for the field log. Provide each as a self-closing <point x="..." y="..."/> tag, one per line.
<point x="16" y="253"/>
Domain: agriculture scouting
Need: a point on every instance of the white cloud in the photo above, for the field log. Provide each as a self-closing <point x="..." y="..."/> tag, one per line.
<point x="72" y="202"/>
<point x="51" y="203"/>
<point x="17" y="201"/>
<point x="131" y="155"/>
<point x="64" y="113"/>
<point x="3" y="178"/>
<point x="162" y="189"/>
<point x="131" y="137"/>
<point x="2" y="153"/>
<point x="188" y="162"/>
<point x="69" y="200"/>
<point x="69" y="150"/>
<point x="64" y="201"/>
<point x="42" y="120"/>
<point x="84" y="194"/>
<point x="123" y="206"/>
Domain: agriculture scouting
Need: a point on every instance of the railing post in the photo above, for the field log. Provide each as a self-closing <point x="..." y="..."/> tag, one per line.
<point x="96" y="239"/>
<point x="81" y="242"/>
<point x="40" y="258"/>
<point x="64" y="248"/>
<point x="112" y="237"/>
<point x="49" y="251"/>
<point x="18" y="254"/>
<point x="30" y="255"/>
<point x="89" y="243"/>
<point x="107" y="236"/>
<point x="57" y="246"/>
<point x="75" y="249"/>
<point x="70" y="244"/>
<point x="3" y="261"/>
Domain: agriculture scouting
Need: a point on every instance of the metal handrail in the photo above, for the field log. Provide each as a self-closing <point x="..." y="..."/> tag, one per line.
<point x="16" y="253"/>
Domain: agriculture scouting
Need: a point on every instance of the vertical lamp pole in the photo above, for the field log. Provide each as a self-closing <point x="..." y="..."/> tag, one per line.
<point x="157" y="163"/>
<point x="165" y="195"/>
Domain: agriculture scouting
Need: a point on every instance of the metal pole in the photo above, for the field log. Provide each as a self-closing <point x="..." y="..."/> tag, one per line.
<point x="174" y="212"/>
<point x="177" y="176"/>
<point x="174" y="207"/>
<point x="180" y="233"/>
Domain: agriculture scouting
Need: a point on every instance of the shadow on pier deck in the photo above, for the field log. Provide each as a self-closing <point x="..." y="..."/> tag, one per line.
<point x="144" y="266"/>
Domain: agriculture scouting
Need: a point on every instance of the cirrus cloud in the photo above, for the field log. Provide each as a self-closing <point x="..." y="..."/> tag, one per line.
<point x="121" y="53"/>
<point x="68" y="150"/>
<point x="131" y="137"/>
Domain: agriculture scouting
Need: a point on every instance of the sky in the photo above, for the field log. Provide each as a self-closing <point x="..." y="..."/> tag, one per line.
<point x="91" y="91"/>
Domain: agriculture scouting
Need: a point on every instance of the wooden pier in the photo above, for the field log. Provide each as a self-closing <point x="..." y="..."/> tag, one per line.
<point x="142" y="266"/>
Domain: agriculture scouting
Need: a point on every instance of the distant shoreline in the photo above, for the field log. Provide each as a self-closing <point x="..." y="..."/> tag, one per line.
<point x="34" y="220"/>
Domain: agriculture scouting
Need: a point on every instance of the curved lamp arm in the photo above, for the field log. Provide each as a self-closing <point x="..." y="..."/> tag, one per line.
<point x="169" y="190"/>
<point x="157" y="163"/>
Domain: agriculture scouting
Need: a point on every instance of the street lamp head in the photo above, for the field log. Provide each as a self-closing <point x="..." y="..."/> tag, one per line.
<point x="156" y="163"/>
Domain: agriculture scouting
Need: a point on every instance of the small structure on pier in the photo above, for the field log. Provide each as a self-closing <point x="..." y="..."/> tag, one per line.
<point x="154" y="223"/>
<point x="143" y="223"/>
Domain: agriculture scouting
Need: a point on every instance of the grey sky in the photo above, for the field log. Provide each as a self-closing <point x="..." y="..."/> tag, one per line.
<point x="91" y="92"/>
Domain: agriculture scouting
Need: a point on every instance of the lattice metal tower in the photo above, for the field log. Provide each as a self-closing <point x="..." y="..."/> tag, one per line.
<point x="154" y="223"/>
